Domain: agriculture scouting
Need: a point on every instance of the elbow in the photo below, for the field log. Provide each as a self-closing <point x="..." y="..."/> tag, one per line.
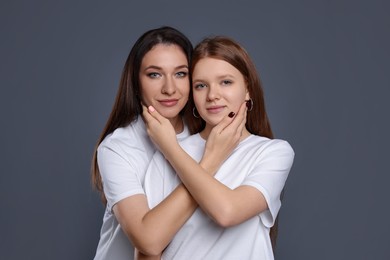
<point x="224" y="222"/>
<point x="224" y="217"/>
<point x="147" y="245"/>
<point x="150" y="252"/>
<point x="149" y="248"/>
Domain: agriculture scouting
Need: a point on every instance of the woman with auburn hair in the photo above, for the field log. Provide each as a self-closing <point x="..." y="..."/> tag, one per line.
<point x="156" y="73"/>
<point x="239" y="206"/>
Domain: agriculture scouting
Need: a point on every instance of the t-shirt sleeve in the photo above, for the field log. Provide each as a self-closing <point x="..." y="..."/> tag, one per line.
<point x="154" y="181"/>
<point x="160" y="179"/>
<point x="269" y="176"/>
<point x="119" y="173"/>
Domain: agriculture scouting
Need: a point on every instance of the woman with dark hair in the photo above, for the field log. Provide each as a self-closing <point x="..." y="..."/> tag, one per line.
<point x="156" y="73"/>
<point x="239" y="206"/>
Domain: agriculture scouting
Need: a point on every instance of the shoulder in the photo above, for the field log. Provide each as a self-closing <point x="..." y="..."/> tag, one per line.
<point x="131" y="136"/>
<point x="266" y="145"/>
<point x="282" y="146"/>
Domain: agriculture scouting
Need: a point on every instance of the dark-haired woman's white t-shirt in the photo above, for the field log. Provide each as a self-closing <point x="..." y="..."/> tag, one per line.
<point x="257" y="161"/>
<point x="123" y="158"/>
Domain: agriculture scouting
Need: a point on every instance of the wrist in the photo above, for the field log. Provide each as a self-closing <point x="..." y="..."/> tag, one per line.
<point x="209" y="165"/>
<point x="172" y="152"/>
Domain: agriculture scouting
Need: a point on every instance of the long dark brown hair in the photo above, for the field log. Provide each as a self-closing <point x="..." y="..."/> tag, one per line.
<point x="257" y="123"/>
<point x="127" y="106"/>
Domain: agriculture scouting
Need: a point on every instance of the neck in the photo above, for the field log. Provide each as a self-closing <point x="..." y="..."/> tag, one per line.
<point x="177" y="124"/>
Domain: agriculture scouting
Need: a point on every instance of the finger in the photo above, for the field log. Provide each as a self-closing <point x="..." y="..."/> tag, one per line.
<point x="226" y="120"/>
<point x="239" y="119"/>
<point x="151" y="116"/>
<point x="146" y="115"/>
<point x="155" y="114"/>
<point x="232" y="120"/>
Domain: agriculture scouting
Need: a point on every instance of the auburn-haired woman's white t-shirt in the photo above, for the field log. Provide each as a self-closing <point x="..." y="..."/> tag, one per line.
<point x="257" y="161"/>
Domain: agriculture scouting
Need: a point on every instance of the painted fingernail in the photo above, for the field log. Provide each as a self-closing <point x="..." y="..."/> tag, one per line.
<point x="151" y="109"/>
<point x="231" y="114"/>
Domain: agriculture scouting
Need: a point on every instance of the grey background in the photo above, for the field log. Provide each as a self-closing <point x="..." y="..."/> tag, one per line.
<point x="325" y="68"/>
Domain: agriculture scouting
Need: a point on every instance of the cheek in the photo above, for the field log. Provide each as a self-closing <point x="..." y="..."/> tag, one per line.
<point x="185" y="82"/>
<point x="197" y="98"/>
<point x="186" y="89"/>
<point x="145" y="94"/>
<point x="142" y="87"/>
<point x="237" y="100"/>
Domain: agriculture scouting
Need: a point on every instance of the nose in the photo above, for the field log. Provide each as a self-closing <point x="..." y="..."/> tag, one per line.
<point x="213" y="93"/>
<point x="169" y="86"/>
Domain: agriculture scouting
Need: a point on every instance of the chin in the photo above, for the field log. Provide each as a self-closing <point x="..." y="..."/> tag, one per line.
<point x="170" y="114"/>
<point x="212" y="123"/>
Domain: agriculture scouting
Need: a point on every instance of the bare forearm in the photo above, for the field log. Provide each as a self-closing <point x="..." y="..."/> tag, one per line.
<point x="225" y="206"/>
<point x="211" y="195"/>
<point x="164" y="220"/>
<point x="178" y="207"/>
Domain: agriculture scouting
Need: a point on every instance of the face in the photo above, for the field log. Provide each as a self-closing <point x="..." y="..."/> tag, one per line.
<point x="219" y="88"/>
<point x="164" y="79"/>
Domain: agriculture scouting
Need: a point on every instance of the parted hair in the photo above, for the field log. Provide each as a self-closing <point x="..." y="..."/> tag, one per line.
<point x="127" y="106"/>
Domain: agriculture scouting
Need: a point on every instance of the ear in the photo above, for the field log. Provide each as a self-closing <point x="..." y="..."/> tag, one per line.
<point x="247" y="96"/>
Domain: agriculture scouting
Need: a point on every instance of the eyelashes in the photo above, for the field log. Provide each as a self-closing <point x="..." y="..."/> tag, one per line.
<point x="199" y="86"/>
<point x="155" y="75"/>
<point x="204" y="85"/>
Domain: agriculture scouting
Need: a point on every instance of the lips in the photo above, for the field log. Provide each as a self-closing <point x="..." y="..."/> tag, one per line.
<point x="168" y="102"/>
<point x="215" y="109"/>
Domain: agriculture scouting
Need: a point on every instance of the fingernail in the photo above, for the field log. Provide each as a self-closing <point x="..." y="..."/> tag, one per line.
<point x="151" y="109"/>
<point x="231" y="114"/>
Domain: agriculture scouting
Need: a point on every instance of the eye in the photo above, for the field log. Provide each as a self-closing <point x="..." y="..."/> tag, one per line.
<point x="154" y="75"/>
<point x="226" y="82"/>
<point x="199" y="86"/>
<point x="182" y="74"/>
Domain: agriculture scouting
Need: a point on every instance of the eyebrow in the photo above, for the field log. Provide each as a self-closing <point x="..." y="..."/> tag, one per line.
<point x="218" y="77"/>
<point x="225" y="76"/>
<point x="159" y="68"/>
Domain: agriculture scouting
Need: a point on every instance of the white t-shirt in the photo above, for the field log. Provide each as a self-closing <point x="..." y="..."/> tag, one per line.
<point x="257" y="161"/>
<point x="123" y="158"/>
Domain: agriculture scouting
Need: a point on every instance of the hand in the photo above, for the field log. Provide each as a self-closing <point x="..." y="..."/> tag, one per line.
<point x="159" y="129"/>
<point x="222" y="140"/>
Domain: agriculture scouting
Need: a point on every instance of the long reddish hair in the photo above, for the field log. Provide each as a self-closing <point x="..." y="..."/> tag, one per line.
<point x="257" y="123"/>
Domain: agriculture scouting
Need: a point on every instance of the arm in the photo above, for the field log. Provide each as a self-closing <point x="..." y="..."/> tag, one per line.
<point x="150" y="230"/>
<point x="226" y="206"/>
<point x="147" y="229"/>
<point x="140" y="256"/>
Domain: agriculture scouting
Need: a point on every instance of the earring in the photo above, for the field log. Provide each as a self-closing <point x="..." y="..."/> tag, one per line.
<point x="195" y="113"/>
<point x="249" y="104"/>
